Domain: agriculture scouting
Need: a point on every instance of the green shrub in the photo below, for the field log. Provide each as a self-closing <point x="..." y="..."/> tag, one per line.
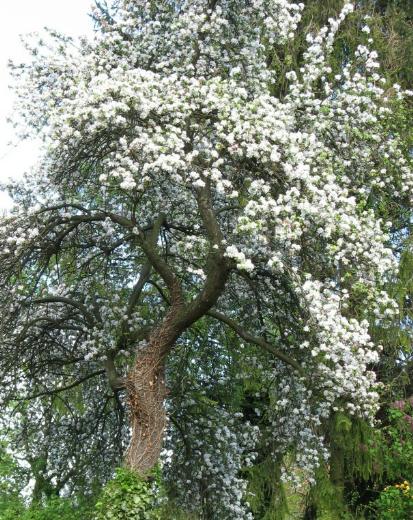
<point x="395" y="502"/>
<point x="127" y="497"/>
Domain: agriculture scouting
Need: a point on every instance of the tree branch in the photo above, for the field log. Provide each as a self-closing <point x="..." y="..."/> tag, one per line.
<point x="62" y="388"/>
<point x="255" y="339"/>
<point x="147" y="267"/>
<point x="160" y="266"/>
<point x="67" y="301"/>
<point x="115" y="382"/>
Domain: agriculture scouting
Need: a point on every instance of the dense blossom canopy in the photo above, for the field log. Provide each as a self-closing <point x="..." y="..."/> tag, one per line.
<point x="177" y="186"/>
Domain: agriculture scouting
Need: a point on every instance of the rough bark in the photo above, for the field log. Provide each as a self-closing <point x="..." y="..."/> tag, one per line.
<point x="146" y="394"/>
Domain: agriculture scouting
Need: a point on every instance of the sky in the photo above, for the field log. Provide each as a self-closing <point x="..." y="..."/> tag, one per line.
<point x="22" y="17"/>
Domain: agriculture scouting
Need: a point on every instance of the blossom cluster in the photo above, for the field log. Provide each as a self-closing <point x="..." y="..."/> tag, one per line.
<point x="204" y="464"/>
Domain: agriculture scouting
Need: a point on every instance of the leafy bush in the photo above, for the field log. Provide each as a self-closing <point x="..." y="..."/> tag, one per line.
<point x="127" y="497"/>
<point x="395" y="502"/>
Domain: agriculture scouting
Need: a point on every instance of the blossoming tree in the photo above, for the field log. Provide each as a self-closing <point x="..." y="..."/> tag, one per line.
<point x="177" y="189"/>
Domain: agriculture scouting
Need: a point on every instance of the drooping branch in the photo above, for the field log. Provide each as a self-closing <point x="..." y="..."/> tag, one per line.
<point x="62" y="388"/>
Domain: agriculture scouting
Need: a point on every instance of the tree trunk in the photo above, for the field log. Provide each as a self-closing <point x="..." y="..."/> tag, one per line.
<point x="146" y="394"/>
<point x="145" y="383"/>
<point x="147" y="391"/>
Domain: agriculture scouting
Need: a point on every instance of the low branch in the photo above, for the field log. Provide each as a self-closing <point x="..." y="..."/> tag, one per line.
<point x="62" y="388"/>
<point x="236" y="327"/>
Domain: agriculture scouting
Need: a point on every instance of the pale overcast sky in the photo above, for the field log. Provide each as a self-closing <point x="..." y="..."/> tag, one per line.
<point x="20" y="17"/>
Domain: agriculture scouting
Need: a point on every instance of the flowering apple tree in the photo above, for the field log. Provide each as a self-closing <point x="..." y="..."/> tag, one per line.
<point x="177" y="188"/>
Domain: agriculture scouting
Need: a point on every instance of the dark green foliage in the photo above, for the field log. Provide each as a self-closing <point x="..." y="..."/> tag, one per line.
<point x="266" y="493"/>
<point x="52" y="509"/>
<point x="355" y="448"/>
<point x="398" y="445"/>
<point x="12" y="480"/>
